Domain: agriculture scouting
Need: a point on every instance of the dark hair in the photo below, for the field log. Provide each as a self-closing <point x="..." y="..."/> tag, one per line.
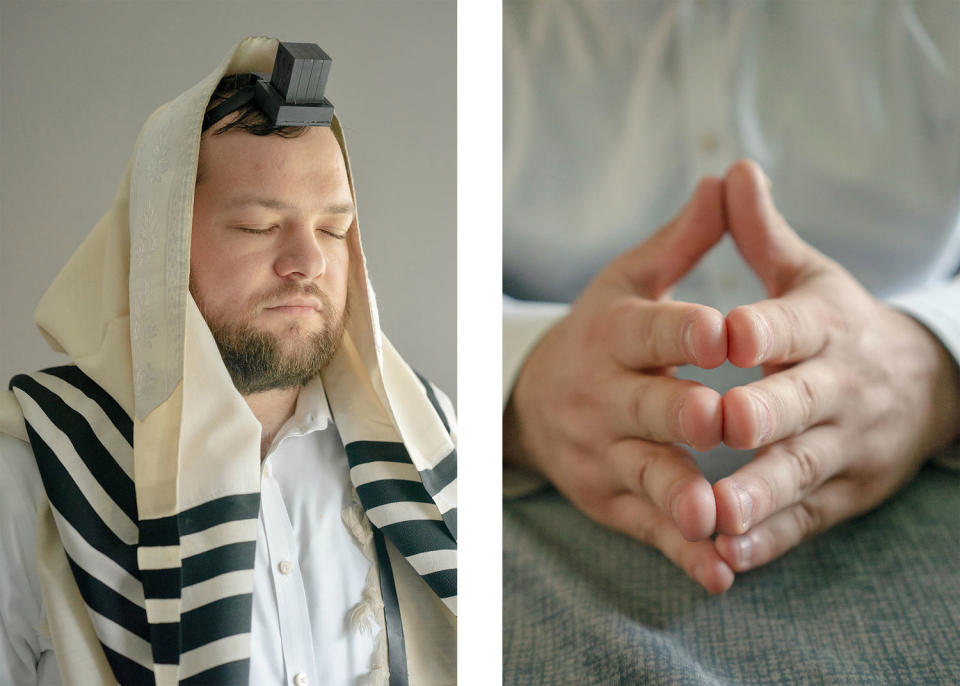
<point x="250" y="117"/>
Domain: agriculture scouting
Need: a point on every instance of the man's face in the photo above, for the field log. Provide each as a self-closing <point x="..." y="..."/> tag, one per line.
<point x="269" y="257"/>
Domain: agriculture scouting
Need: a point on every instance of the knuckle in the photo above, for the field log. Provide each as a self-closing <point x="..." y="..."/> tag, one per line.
<point x="629" y="317"/>
<point x="638" y="477"/>
<point x="793" y="323"/>
<point x="808" y="519"/>
<point x="585" y="496"/>
<point x="615" y="514"/>
<point x="673" y="423"/>
<point x="644" y="530"/>
<point x="648" y="327"/>
<point x="597" y="330"/>
<point x="808" y="398"/>
<point x="636" y="404"/>
<point x="804" y="465"/>
<point x="763" y="496"/>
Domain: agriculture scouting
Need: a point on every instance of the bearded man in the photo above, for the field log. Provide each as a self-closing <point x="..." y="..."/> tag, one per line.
<point x="238" y="479"/>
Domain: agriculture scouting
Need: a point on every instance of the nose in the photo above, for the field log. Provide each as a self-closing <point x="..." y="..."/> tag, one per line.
<point x="301" y="256"/>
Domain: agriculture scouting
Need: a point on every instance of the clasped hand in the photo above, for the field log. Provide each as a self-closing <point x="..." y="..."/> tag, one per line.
<point x="855" y="395"/>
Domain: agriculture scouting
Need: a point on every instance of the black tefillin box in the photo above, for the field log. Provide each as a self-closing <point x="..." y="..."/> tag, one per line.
<point x="294" y="94"/>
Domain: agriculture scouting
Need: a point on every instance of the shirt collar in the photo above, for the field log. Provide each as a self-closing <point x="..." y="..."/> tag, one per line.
<point x="312" y="412"/>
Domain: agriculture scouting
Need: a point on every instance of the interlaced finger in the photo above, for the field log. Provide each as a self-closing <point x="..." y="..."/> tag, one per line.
<point x="767" y="541"/>
<point x="783" y="404"/>
<point x="778" y="477"/>
<point x="668" y="475"/>
<point x="665" y="409"/>
<point x="642" y="520"/>
<point x="647" y="334"/>
<point x="777" y="331"/>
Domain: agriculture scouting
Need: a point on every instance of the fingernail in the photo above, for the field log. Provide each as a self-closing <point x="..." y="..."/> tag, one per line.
<point x="742" y="547"/>
<point x="688" y="342"/>
<point x="762" y="415"/>
<point x="683" y="429"/>
<point x="675" y="507"/>
<point x="745" y="505"/>
<point x="765" y="335"/>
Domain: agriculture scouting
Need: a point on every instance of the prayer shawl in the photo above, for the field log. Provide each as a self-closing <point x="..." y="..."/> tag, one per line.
<point x="150" y="457"/>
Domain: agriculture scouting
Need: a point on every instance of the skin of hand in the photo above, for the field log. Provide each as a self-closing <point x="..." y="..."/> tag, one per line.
<point x="596" y="409"/>
<point x="855" y="394"/>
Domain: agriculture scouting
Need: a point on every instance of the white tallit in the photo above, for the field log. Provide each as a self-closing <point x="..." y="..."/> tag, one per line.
<point x="121" y="310"/>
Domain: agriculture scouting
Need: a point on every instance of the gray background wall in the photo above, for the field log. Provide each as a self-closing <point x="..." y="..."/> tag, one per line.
<point x="78" y="80"/>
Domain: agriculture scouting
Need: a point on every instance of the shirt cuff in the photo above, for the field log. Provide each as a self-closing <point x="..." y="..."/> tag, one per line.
<point x="524" y="323"/>
<point x="937" y="308"/>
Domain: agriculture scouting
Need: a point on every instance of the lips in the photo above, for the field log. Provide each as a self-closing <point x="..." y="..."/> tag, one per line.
<point x="298" y="304"/>
<point x="296" y="307"/>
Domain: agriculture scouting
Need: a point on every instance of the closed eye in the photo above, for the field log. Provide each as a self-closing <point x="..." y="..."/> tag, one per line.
<point x="250" y="229"/>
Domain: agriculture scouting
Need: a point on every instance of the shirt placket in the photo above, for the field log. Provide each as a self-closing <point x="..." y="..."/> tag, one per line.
<point x="296" y="635"/>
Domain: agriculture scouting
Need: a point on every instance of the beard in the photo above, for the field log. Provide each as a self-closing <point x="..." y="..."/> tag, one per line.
<point x="257" y="360"/>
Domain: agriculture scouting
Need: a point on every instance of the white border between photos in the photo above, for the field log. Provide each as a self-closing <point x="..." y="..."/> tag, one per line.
<point x="479" y="342"/>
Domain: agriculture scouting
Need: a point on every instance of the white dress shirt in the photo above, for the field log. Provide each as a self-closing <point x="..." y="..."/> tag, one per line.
<point x="614" y="110"/>
<point x="309" y="575"/>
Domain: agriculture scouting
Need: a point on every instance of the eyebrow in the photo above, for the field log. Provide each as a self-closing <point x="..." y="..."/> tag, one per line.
<point x="274" y="204"/>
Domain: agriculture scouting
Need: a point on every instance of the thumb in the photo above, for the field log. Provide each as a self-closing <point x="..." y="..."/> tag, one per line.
<point x="772" y="249"/>
<point x="655" y="265"/>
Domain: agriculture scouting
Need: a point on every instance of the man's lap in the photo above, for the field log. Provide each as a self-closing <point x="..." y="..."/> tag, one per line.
<point x="875" y="600"/>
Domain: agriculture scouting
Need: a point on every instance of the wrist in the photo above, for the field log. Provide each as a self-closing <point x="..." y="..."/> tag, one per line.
<point x="935" y="371"/>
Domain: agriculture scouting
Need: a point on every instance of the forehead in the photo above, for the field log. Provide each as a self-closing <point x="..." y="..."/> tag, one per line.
<point x="311" y="164"/>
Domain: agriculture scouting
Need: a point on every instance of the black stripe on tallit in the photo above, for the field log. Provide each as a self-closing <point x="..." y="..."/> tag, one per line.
<point x="375" y="493"/>
<point x="443" y="583"/>
<point x="393" y="623"/>
<point x="104" y="600"/>
<point x="168" y="530"/>
<point x="216" y="561"/>
<point x="432" y="397"/>
<point x="436" y="479"/>
<point x="76" y="378"/>
<point x="216" y="620"/>
<point x="165" y="641"/>
<point x="450" y="519"/>
<point x="228" y="674"/>
<point x="441" y="475"/>
<point x="160" y="531"/>
<point x="69" y="501"/>
<point x="362" y="452"/>
<point x="102" y="465"/>
<point x="229" y="508"/>
<point x="161" y="583"/>
<point x="419" y="536"/>
<point x="126" y="671"/>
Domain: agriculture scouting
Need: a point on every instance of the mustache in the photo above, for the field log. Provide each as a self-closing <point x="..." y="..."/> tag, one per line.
<point x="286" y="290"/>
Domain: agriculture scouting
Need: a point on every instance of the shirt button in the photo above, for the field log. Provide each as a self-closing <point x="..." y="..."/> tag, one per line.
<point x="709" y="143"/>
<point x="285" y="568"/>
<point x="301" y="680"/>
